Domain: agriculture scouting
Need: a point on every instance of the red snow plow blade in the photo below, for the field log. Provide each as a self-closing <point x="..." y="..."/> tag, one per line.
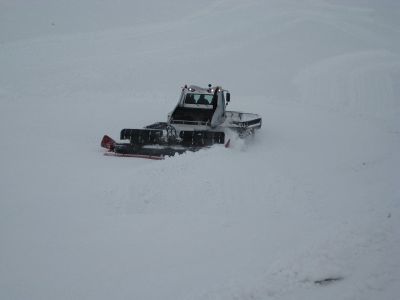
<point x="108" y="143"/>
<point x="124" y="150"/>
<point x="110" y="153"/>
<point x="159" y="140"/>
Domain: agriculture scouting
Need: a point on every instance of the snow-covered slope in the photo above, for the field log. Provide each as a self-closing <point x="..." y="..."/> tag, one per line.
<point x="313" y="196"/>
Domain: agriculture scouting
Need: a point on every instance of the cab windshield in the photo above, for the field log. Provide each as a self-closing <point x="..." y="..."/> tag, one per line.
<point x="205" y="99"/>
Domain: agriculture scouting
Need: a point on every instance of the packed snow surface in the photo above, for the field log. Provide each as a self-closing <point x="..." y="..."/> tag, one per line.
<point x="309" y="208"/>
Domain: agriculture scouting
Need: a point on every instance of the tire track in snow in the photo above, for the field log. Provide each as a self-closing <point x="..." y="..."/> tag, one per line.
<point x="358" y="82"/>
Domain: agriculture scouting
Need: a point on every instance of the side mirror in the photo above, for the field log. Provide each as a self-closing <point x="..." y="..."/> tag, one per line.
<point x="228" y="97"/>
